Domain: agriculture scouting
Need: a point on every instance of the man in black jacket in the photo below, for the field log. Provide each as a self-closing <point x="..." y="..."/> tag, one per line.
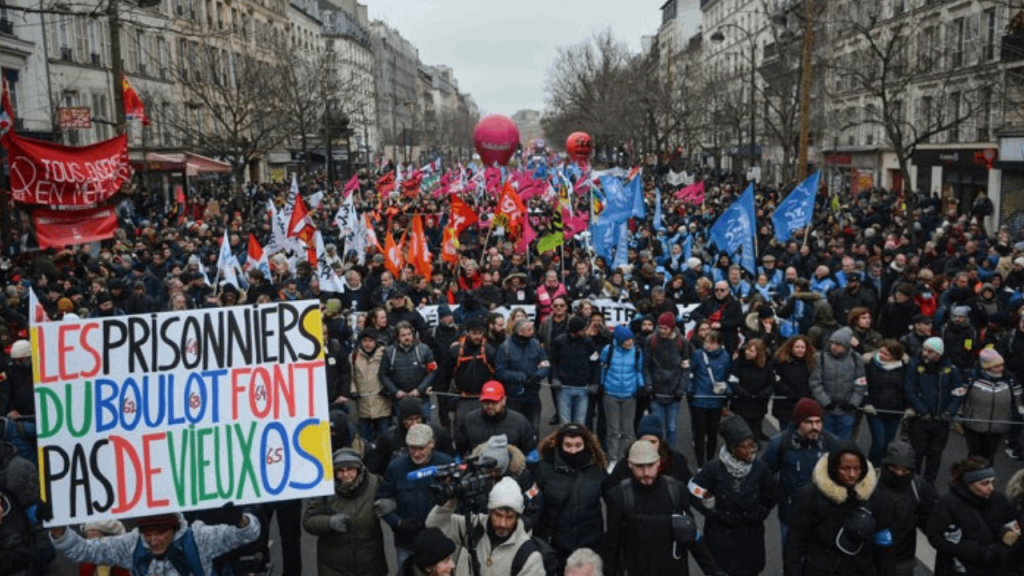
<point x="493" y="419"/>
<point x="408" y="368"/>
<point x="468" y="366"/>
<point x="574" y="370"/>
<point x="724" y="313"/>
<point x="905" y="501"/>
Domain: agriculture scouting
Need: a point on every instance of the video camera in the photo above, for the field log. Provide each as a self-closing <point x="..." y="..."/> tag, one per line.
<point x="461" y="480"/>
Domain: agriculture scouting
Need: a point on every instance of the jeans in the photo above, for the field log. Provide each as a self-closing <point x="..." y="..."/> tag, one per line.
<point x="372" y="428"/>
<point x="840" y="425"/>
<point x="621" y="434"/>
<point x="668" y="412"/>
<point x="883" y="431"/>
<point x="572" y="404"/>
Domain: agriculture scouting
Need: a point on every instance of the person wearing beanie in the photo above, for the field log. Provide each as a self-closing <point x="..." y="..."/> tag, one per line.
<point x="735" y="492"/>
<point x="960" y="338"/>
<point x="163" y="543"/>
<point x="495" y="537"/>
<point x="666" y="363"/>
<point x="933" y="392"/>
<point x="650" y="524"/>
<point x="432" y="555"/>
<point x="511" y="463"/>
<point x="571" y="474"/>
<point x="914" y="340"/>
<point x="372" y="407"/>
<point x="838" y="383"/>
<point x="792" y="454"/>
<point x="440" y="338"/>
<point x="522" y="364"/>
<point x="905" y="502"/>
<point x="349" y="538"/>
<point x="993" y="400"/>
<point x="468" y="365"/>
<point x="974" y="527"/>
<point x="622" y="379"/>
<point x="835" y="523"/>
<point x="574" y="370"/>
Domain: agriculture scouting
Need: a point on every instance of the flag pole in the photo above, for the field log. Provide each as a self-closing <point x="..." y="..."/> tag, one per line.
<point x="483" y="251"/>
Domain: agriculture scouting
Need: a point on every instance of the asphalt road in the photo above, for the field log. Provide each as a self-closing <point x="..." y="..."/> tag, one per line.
<point x="955" y="450"/>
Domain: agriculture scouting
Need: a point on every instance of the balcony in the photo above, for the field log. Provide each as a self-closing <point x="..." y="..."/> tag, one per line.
<point x="1012" y="48"/>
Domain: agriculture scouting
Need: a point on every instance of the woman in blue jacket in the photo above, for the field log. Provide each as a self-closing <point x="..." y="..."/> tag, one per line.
<point x="707" y="392"/>
<point x="622" y="379"/>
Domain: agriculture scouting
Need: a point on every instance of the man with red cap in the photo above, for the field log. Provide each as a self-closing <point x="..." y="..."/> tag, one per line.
<point x="493" y="419"/>
<point x="165" y="543"/>
<point x="793" y="453"/>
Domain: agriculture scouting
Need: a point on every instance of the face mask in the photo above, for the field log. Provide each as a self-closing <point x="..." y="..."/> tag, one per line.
<point x="895" y="480"/>
<point x="577" y="459"/>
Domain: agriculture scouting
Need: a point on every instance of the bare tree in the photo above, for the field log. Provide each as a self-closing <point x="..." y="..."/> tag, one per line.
<point x="896" y="75"/>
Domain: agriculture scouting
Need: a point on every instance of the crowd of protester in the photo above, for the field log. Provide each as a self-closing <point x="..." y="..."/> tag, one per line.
<point x="892" y="311"/>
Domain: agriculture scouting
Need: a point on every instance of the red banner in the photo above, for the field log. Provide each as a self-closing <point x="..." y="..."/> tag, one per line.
<point x="60" y="228"/>
<point x="56" y="175"/>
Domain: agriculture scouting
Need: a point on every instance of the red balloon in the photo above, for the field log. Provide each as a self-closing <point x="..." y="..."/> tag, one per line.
<point x="496" y="139"/>
<point x="579" y="146"/>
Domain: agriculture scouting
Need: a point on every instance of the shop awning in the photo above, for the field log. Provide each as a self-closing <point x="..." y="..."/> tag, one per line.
<point x="188" y="162"/>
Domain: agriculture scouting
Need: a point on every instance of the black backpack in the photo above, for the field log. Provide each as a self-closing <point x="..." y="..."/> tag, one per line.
<point x="547" y="553"/>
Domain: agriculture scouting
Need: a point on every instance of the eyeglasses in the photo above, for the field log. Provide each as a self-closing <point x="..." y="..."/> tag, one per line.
<point x="721" y="289"/>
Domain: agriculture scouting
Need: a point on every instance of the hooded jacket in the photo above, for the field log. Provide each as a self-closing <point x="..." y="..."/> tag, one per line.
<point x="211" y="541"/>
<point x="836" y="380"/>
<point x="965" y="530"/>
<point x="822" y="510"/>
<point x="494" y="560"/>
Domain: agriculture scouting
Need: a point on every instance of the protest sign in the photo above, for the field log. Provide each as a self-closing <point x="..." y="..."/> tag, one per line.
<point x="180" y="411"/>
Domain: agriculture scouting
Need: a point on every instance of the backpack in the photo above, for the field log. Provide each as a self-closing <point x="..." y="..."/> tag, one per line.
<point x="547" y="553"/>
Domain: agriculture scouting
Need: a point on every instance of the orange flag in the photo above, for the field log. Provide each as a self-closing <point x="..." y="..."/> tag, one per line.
<point x="450" y="246"/>
<point x="419" y="252"/>
<point x="462" y="215"/>
<point x="393" y="259"/>
<point x="511" y="212"/>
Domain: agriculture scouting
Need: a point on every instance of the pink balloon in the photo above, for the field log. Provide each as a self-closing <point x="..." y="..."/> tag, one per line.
<point x="496" y="139"/>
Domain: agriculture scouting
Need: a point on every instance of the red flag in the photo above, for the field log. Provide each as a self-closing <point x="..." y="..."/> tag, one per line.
<point x="419" y="252"/>
<point x="300" y="224"/>
<point x="393" y="259"/>
<point x="450" y="246"/>
<point x="371" y="234"/>
<point x="386" y="184"/>
<point x="511" y="212"/>
<point x="462" y="215"/>
<point x="351" y="186"/>
<point x="133" y="107"/>
<point x="6" y="113"/>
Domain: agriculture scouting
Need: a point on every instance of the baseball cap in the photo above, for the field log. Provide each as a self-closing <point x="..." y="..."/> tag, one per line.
<point x="492" y="391"/>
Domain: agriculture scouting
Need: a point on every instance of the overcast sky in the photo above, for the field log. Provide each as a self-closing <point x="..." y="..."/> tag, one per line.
<point x="501" y="50"/>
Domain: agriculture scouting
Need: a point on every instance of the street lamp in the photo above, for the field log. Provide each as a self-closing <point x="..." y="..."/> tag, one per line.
<point x="717" y="37"/>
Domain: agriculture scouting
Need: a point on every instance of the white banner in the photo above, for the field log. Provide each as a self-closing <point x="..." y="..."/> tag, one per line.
<point x="168" y="412"/>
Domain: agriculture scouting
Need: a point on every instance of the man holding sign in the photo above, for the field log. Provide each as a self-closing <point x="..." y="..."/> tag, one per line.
<point x="164" y="544"/>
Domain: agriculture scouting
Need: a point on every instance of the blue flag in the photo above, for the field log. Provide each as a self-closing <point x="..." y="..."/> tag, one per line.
<point x="621" y="246"/>
<point x="657" y="211"/>
<point x="796" y="210"/>
<point x="635" y="191"/>
<point x="734" y="230"/>
<point x="688" y="246"/>
<point x="618" y="204"/>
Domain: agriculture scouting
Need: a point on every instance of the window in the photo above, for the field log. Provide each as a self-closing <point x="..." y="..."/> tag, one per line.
<point x="926" y="48"/>
<point x="165" y="124"/>
<point x="62" y="32"/>
<point x="988" y="21"/>
<point x="958" y="30"/>
<point x="899" y="7"/>
<point x="99" y="108"/>
<point x="954" y="116"/>
<point x="925" y="116"/>
<point x="985" y="115"/>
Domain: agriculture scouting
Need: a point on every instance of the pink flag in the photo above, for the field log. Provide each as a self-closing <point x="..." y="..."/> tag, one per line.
<point x="492" y="176"/>
<point x="692" y="193"/>
<point x="351" y="186"/>
<point x="528" y="236"/>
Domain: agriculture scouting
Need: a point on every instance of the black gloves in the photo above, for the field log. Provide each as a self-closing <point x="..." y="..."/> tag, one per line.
<point x="847" y="407"/>
<point x="226" y="514"/>
<point x="830" y="406"/>
<point x="44" y="512"/>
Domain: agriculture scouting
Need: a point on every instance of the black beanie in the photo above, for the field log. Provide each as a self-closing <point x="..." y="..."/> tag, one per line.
<point x="734" y="430"/>
<point x="431" y="547"/>
<point x="409" y="406"/>
<point x="576" y="324"/>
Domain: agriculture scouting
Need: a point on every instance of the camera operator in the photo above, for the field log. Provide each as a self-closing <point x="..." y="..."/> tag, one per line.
<point x="492" y="539"/>
<point x="412" y="498"/>
<point x="511" y="463"/>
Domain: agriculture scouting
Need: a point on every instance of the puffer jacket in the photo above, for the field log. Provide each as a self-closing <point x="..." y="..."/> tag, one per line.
<point x="834" y="380"/>
<point x="408" y="369"/>
<point x="571" y="518"/>
<point x="991" y="402"/>
<point x="885" y="385"/>
<point x="358" y="551"/>
<point x="700" y="389"/>
<point x="820" y="512"/>
<point x="965" y="530"/>
<point x="370" y="400"/>
<point x="929" y="387"/>
<point x="663" y="366"/>
<point x="622" y="371"/>
<point x="519" y="359"/>
<point x="574" y="361"/>
<point x="211" y="541"/>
